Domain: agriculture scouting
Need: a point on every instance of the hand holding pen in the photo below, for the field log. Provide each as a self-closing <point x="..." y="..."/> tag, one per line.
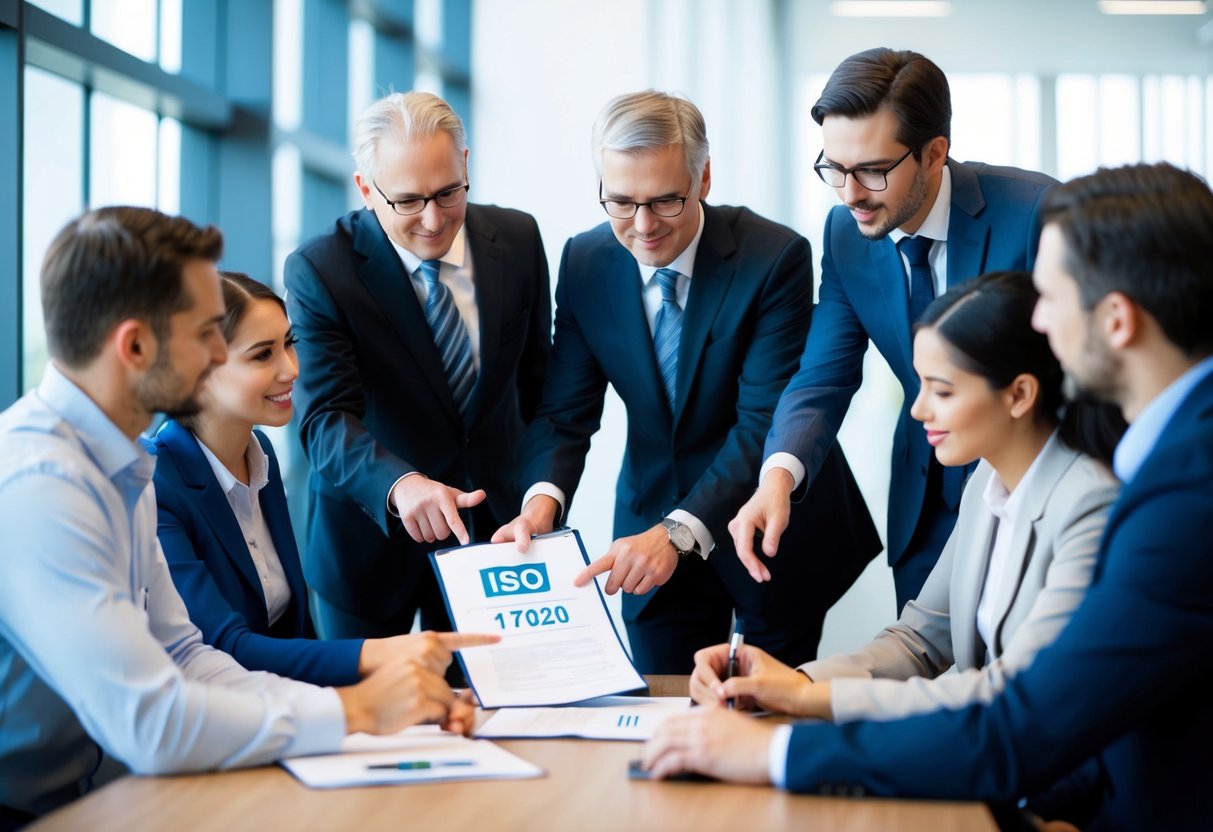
<point x="735" y="643"/>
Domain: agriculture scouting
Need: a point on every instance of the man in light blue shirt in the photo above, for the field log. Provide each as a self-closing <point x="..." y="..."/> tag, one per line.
<point x="97" y="652"/>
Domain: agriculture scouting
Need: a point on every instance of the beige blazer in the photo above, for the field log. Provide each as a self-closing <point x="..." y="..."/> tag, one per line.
<point x="1054" y="545"/>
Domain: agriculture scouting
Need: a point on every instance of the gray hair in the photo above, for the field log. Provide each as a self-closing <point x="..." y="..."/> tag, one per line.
<point x="650" y="120"/>
<point x="403" y="117"/>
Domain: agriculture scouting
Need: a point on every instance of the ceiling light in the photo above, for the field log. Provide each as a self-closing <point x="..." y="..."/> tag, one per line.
<point x="1152" y="6"/>
<point x="891" y="8"/>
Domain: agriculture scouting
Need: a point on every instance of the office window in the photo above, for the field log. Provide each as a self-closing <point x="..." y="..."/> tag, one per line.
<point x="128" y="24"/>
<point x="122" y="153"/>
<point x="53" y="194"/>
<point x="70" y="10"/>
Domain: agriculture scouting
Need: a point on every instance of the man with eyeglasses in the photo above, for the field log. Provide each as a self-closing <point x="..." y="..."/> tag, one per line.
<point x="695" y="314"/>
<point x="918" y="223"/>
<point x="425" y="327"/>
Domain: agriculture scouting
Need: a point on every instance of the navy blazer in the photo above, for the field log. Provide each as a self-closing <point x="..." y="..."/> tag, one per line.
<point x="211" y="567"/>
<point x="1128" y="679"/>
<point x="994" y="225"/>
<point x="374" y="403"/>
<point x="747" y="311"/>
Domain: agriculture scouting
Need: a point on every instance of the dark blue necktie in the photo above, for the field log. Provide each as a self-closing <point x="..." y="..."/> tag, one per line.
<point x="922" y="286"/>
<point x="668" y="330"/>
<point x="922" y="291"/>
<point x="450" y="336"/>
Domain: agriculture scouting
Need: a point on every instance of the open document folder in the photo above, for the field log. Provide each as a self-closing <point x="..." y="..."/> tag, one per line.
<point x="558" y="643"/>
<point x="421" y="754"/>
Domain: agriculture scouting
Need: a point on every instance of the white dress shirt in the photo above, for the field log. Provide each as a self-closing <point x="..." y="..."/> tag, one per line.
<point x="934" y="226"/>
<point x="96" y="647"/>
<point x="684" y="264"/>
<point x="247" y="507"/>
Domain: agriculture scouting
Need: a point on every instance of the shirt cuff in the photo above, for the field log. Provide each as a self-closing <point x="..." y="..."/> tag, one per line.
<point x="391" y="508"/>
<point x="702" y="536"/>
<point x="321" y="723"/>
<point x="548" y="490"/>
<point x="777" y="756"/>
<point x="788" y="462"/>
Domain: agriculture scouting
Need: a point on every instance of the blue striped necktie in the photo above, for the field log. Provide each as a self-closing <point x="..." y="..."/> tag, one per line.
<point x="922" y="286"/>
<point x="450" y="336"/>
<point x="668" y="331"/>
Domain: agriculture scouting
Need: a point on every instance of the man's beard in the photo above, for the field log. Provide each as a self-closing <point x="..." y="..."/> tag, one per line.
<point x="915" y="197"/>
<point x="163" y="389"/>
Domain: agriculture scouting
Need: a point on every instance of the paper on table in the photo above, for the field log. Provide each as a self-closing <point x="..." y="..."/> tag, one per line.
<point x="558" y="642"/>
<point x="607" y="718"/>
<point x="350" y="767"/>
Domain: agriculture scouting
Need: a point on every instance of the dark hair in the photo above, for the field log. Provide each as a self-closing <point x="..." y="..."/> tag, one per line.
<point x="1144" y="231"/>
<point x="986" y="324"/>
<point x="113" y="264"/>
<point x="913" y="88"/>
<point x="239" y="293"/>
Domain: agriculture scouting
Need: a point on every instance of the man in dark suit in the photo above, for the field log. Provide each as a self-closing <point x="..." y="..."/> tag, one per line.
<point x="425" y="327"/>
<point x="1126" y="295"/>
<point x="918" y="223"/>
<point x="695" y="314"/>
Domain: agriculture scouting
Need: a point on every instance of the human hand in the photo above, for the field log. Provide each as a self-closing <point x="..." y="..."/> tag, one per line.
<point x="395" y="696"/>
<point x="766" y="511"/>
<point x="431" y="650"/>
<point x="713" y="741"/>
<point x="462" y="718"/>
<point x="637" y="563"/>
<point x="761" y="680"/>
<point x="538" y="517"/>
<point x="429" y="510"/>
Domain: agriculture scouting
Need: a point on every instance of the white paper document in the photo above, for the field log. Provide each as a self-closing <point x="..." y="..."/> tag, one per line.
<point x="421" y="754"/>
<point x="608" y="718"/>
<point x="558" y="643"/>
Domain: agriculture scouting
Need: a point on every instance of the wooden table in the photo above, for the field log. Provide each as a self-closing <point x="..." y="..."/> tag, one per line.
<point x="586" y="789"/>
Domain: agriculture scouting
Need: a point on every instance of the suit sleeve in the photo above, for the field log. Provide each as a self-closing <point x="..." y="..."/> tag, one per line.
<point x="783" y="316"/>
<point x="533" y="368"/>
<point x="1132" y="646"/>
<point x="570" y="414"/>
<point x="333" y="402"/>
<point x="325" y="663"/>
<point x="816" y="399"/>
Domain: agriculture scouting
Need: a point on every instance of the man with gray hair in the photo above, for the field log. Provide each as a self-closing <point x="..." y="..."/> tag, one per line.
<point x="425" y="325"/>
<point x="695" y="314"/>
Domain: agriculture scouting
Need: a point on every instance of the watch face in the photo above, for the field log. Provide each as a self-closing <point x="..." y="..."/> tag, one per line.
<point x="682" y="538"/>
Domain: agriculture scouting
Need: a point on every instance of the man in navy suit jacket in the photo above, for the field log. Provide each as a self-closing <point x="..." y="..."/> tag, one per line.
<point x="886" y="121"/>
<point x="424" y="327"/>
<point x="1126" y="289"/>
<point x="695" y="314"/>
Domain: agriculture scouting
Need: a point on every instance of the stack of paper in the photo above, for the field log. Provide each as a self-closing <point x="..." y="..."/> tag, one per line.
<point x="606" y="718"/>
<point x="421" y="754"/>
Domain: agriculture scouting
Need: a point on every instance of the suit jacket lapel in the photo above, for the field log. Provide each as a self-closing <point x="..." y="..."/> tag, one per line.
<point x="968" y="237"/>
<point x="196" y="473"/>
<point x="273" y="508"/>
<point x="491" y="299"/>
<point x="893" y="285"/>
<point x="383" y="275"/>
<point x="975" y="552"/>
<point x="709" y="285"/>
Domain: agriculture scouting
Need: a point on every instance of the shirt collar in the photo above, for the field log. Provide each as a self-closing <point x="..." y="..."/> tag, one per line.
<point x="258" y="468"/>
<point x="1141" y="437"/>
<point x="1006" y="505"/>
<point x="684" y="263"/>
<point x="935" y="225"/>
<point x="455" y="256"/>
<point x="115" y="453"/>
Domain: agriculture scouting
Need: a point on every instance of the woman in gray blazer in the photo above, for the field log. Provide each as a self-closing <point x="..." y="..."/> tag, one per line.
<point x="1023" y="550"/>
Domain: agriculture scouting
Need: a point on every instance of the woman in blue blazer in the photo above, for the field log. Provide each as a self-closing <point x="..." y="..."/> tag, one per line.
<point x="223" y="521"/>
<point x="1023" y="550"/>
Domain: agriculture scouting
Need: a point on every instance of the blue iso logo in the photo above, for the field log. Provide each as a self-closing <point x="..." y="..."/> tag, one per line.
<point x="515" y="580"/>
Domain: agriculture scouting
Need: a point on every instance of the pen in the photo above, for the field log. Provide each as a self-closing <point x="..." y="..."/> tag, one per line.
<point x="410" y="765"/>
<point x="735" y="643"/>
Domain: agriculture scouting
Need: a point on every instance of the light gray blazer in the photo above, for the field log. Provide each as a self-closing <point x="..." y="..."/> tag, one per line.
<point x="1054" y="544"/>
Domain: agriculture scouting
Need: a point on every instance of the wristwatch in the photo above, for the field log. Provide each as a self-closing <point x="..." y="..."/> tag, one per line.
<point x="681" y="537"/>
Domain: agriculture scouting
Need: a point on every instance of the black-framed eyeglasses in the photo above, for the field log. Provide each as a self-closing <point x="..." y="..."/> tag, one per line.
<point x="872" y="179"/>
<point x="416" y="204"/>
<point x="666" y="206"/>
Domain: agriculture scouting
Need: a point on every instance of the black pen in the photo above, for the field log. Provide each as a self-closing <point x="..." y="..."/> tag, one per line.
<point x="735" y="643"/>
